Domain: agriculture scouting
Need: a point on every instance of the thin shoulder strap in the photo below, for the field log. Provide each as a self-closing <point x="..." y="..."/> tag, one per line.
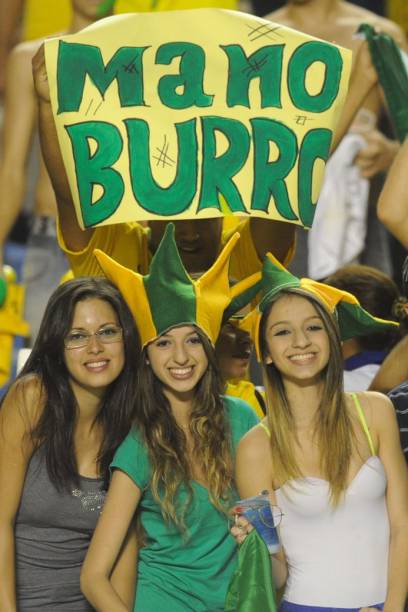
<point x="265" y="428"/>
<point x="363" y="421"/>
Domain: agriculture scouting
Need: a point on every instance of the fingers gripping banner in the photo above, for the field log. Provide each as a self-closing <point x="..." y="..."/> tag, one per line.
<point x="192" y="114"/>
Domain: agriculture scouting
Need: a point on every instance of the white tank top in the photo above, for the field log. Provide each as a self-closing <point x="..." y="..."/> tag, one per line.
<point x="337" y="557"/>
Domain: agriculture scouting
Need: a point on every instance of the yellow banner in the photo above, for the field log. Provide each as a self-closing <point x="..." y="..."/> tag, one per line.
<point x="195" y="113"/>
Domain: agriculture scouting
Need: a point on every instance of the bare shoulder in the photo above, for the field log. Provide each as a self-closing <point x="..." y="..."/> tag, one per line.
<point x="24" y="401"/>
<point x="360" y="15"/>
<point x="378" y="408"/>
<point x="24" y="51"/>
<point x="279" y="16"/>
<point x="254" y="444"/>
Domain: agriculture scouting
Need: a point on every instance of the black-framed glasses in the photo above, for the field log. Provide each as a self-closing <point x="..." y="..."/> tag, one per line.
<point x="106" y="335"/>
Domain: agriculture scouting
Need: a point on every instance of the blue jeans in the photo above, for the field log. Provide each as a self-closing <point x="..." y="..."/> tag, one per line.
<point x="286" y="606"/>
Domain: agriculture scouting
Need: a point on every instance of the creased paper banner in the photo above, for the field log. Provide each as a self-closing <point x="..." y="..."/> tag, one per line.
<point x="195" y="113"/>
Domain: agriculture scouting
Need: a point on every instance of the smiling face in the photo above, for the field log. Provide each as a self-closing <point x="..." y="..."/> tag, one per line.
<point x="96" y="365"/>
<point x="296" y="339"/>
<point x="178" y="360"/>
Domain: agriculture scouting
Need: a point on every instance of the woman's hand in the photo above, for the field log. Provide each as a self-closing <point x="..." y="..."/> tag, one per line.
<point x="40" y="75"/>
<point x="240" y="528"/>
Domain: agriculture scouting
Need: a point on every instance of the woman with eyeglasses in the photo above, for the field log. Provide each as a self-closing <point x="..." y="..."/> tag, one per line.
<point x="331" y="460"/>
<point x="60" y="424"/>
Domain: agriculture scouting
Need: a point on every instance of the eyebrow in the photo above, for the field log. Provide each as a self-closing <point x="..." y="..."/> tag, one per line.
<point x="167" y="335"/>
<point x="100" y="327"/>
<point x="287" y="322"/>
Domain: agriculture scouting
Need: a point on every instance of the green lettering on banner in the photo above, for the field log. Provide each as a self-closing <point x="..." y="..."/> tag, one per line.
<point x="217" y="172"/>
<point x="269" y="176"/>
<point x="96" y="169"/>
<point x="264" y="64"/>
<point x="176" y="198"/>
<point x="77" y="61"/>
<point x="301" y="60"/>
<point x="190" y="79"/>
<point x="315" y="145"/>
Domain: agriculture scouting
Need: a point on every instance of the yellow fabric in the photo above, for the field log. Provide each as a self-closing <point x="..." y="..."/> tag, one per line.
<point x="143" y="6"/>
<point x="265" y="428"/>
<point x="397" y="10"/>
<point x="213" y="293"/>
<point x="127" y="243"/>
<point x="44" y="17"/>
<point x="245" y="390"/>
<point x="131" y="286"/>
<point x="363" y="421"/>
<point x="11" y="324"/>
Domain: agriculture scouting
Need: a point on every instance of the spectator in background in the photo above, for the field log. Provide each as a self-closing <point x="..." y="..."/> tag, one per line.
<point x="44" y="262"/>
<point x="399" y="395"/>
<point x="337" y="21"/>
<point x="377" y="294"/>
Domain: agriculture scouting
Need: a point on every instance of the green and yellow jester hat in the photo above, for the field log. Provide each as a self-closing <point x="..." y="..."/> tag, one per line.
<point x="351" y="317"/>
<point x="168" y="297"/>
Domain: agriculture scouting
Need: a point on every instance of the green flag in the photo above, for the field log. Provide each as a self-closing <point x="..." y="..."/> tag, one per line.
<point x="251" y="588"/>
<point x="391" y="64"/>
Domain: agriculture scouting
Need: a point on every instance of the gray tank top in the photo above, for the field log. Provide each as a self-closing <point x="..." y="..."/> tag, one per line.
<point x="52" y="533"/>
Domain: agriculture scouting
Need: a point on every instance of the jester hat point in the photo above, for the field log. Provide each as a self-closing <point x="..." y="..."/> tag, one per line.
<point x="351" y="317"/>
<point x="168" y="297"/>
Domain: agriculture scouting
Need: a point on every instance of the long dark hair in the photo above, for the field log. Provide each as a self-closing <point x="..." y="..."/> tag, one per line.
<point x="166" y="441"/>
<point x="55" y="429"/>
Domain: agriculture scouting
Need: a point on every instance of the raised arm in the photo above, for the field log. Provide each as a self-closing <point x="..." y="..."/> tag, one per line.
<point x="10" y="13"/>
<point x="97" y="580"/>
<point x="17" y="415"/>
<point x="392" y="206"/>
<point x="385" y="426"/>
<point x="393" y="370"/>
<point x="75" y="238"/>
<point x="18" y="126"/>
<point x="363" y="80"/>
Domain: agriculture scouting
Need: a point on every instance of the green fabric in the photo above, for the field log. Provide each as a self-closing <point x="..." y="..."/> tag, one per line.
<point x="354" y="321"/>
<point x="391" y="68"/>
<point x="241" y="301"/>
<point x="251" y="588"/>
<point x="3" y="291"/>
<point x="190" y="572"/>
<point x="274" y="279"/>
<point x="105" y="7"/>
<point x="169" y="288"/>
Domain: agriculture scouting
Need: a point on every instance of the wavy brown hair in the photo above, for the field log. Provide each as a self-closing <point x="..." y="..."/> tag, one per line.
<point x="167" y="444"/>
<point x="333" y="429"/>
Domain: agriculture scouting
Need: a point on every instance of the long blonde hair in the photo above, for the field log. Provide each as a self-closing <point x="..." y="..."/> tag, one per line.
<point x="167" y="444"/>
<point x="333" y="428"/>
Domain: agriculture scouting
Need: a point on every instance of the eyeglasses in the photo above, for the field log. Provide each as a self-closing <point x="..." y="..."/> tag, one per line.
<point x="106" y="335"/>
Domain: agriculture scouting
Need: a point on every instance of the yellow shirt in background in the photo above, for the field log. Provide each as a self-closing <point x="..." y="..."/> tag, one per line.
<point x="127" y="243"/>
<point x="397" y="10"/>
<point x="45" y="17"/>
<point x="245" y="390"/>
